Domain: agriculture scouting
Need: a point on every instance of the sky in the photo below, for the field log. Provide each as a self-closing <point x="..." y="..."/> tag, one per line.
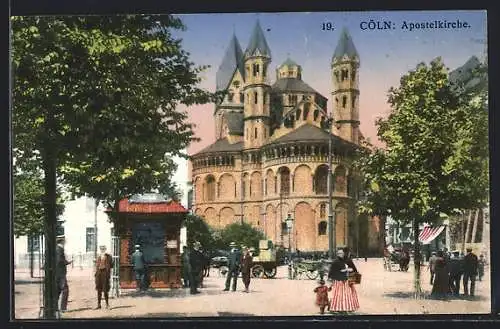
<point x="385" y="55"/>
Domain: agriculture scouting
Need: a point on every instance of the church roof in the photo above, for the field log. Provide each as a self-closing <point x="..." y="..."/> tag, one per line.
<point x="234" y="122"/>
<point x="222" y="145"/>
<point x="292" y="84"/>
<point x="233" y="60"/>
<point x="289" y="62"/>
<point x="345" y="46"/>
<point x="308" y="132"/>
<point x="258" y="42"/>
<point x="464" y="75"/>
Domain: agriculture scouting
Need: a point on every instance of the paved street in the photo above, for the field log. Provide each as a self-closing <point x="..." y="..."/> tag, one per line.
<point x="380" y="292"/>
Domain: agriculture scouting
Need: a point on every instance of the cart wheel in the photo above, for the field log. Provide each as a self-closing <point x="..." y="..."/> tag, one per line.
<point x="312" y="275"/>
<point x="270" y="273"/>
<point x="257" y="271"/>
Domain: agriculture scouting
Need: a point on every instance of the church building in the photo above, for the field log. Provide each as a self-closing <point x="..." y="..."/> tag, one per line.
<point x="270" y="157"/>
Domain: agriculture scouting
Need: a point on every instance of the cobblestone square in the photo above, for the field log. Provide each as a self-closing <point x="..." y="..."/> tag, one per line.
<point x="380" y="292"/>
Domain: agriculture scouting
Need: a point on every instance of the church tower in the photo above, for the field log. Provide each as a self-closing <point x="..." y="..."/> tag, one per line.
<point x="256" y="90"/>
<point x="230" y="77"/>
<point x="345" y="94"/>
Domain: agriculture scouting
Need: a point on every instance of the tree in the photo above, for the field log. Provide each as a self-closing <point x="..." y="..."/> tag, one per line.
<point x="242" y="234"/>
<point x="198" y="230"/>
<point x="435" y="157"/>
<point x="97" y="98"/>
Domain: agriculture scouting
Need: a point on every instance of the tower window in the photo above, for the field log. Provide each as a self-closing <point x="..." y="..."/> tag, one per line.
<point x="345" y="74"/>
<point x="353" y="101"/>
<point x="353" y="75"/>
<point x="322" y="227"/>
<point x="264" y="98"/>
<point x="290" y="73"/>
<point x="256" y="97"/>
<point x="255" y="70"/>
<point x="264" y="71"/>
<point x="242" y="98"/>
<point x="336" y="73"/>
<point x="230" y="97"/>
<point x="255" y="133"/>
<point x="344" y="101"/>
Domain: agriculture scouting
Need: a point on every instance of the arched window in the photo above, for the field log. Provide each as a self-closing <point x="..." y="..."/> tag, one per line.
<point x="316" y="114"/>
<point x="344" y="101"/>
<point x="230" y="97"/>
<point x="210" y="183"/>
<point x="255" y="133"/>
<point x="353" y="75"/>
<point x="353" y="101"/>
<point x="340" y="180"/>
<point x="322" y="211"/>
<point x="242" y="98"/>
<point x="345" y="74"/>
<point x="322" y="226"/>
<point x="256" y="98"/>
<point x="321" y="180"/>
<point x="306" y="111"/>
<point x="255" y="70"/>
<point x="285" y="181"/>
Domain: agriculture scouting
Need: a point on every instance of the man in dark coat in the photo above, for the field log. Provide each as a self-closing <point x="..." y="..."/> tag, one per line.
<point x="246" y="266"/>
<point x="139" y="268"/>
<point x="471" y="263"/>
<point x="234" y="263"/>
<point x="455" y="267"/>
<point x="196" y="267"/>
<point x="61" y="271"/>
<point x="186" y="268"/>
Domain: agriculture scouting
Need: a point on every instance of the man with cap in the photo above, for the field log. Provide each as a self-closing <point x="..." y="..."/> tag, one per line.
<point x="234" y="263"/>
<point x="432" y="266"/>
<point x="186" y="268"/>
<point x="471" y="263"/>
<point x="104" y="264"/>
<point x="455" y="270"/>
<point x="139" y="264"/>
<point x="61" y="271"/>
<point x="196" y="266"/>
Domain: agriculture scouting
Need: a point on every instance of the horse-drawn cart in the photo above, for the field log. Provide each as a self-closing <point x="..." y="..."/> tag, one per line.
<point x="265" y="264"/>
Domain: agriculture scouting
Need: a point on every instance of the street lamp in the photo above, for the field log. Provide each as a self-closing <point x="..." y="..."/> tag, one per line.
<point x="289" y="225"/>
<point x="331" y="213"/>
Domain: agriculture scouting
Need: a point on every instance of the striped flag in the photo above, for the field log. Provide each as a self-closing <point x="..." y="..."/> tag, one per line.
<point x="429" y="233"/>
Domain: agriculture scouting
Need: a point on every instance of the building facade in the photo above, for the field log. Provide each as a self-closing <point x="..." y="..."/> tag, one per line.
<point x="270" y="157"/>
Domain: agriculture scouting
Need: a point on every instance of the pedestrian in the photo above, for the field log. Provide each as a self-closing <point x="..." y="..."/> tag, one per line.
<point x="455" y="271"/>
<point x="234" y="263"/>
<point x="139" y="263"/>
<point x="322" y="296"/>
<point x="441" y="284"/>
<point x="104" y="264"/>
<point x="246" y="266"/>
<point x="195" y="266"/>
<point x="471" y="264"/>
<point x="185" y="266"/>
<point x="432" y="266"/>
<point x="61" y="271"/>
<point x="480" y="267"/>
<point x="344" y="296"/>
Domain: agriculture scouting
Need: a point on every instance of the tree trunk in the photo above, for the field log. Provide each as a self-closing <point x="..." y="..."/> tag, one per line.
<point x="416" y="261"/>
<point x="474" y="226"/>
<point x="469" y="226"/>
<point x="32" y="256"/>
<point x="463" y="230"/>
<point x="50" y="288"/>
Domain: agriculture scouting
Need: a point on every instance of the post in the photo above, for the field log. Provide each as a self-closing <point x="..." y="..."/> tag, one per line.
<point x="331" y="218"/>
<point x="95" y="231"/>
<point x="416" y="259"/>
<point x="281" y="217"/>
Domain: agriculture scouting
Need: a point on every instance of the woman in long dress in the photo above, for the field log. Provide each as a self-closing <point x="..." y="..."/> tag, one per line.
<point x="344" y="296"/>
<point x="440" y="287"/>
<point x="246" y="265"/>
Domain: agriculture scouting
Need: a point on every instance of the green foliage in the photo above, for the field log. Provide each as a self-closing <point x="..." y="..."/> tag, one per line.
<point x="242" y="234"/>
<point x="436" y="155"/>
<point x="102" y="94"/>
<point x="198" y="230"/>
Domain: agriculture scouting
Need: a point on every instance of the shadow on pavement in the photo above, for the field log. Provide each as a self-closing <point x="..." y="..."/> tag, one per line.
<point x="79" y="309"/>
<point x="404" y="295"/>
<point x="122" y="306"/>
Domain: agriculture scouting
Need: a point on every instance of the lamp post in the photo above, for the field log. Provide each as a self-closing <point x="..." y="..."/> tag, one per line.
<point x="331" y="213"/>
<point x="289" y="225"/>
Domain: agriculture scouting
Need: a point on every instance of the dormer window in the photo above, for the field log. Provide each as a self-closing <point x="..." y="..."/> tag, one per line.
<point x="236" y="84"/>
<point x="255" y="70"/>
<point x="230" y="97"/>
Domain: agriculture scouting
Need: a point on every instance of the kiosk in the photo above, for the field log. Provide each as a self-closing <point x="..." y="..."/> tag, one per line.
<point x="154" y="223"/>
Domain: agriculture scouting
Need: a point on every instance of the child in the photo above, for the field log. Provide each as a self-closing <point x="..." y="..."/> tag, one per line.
<point x="480" y="268"/>
<point x="322" y="296"/>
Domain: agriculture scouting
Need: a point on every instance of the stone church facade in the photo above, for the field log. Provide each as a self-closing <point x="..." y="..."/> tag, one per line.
<point x="270" y="158"/>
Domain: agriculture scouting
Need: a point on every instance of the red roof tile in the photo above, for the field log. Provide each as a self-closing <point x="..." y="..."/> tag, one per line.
<point x="150" y="208"/>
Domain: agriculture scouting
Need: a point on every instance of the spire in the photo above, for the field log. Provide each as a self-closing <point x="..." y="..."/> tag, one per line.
<point x="345" y="46"/>
<point x="233" y="60"/>
<point x="289" y="62"/>
<point x="258" y="43"/>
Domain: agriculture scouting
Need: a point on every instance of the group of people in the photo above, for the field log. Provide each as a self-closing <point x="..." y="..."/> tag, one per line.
<point x="344" y="298"/>
<point x="447" y="270"/>
<point x="193" y="263"/>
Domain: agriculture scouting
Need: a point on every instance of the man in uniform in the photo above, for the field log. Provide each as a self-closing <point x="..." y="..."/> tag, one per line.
<point x="139" y="268"/>
<point x="61" y="271"/>
<point x="185" y="266"/>
<point x="195" y="264"/>
<point x="471" y="263"/>
<point x="456" y="270"/>
<point x="234" y="263"/>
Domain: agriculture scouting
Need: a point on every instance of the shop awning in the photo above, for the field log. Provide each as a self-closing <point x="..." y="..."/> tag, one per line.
<point x="429" y="233"/>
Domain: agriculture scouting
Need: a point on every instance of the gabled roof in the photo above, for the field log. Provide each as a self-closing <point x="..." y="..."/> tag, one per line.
<point x="258" y="43"/>
<point x="222" y="145"/>
<point x="345" y="46"/>
<point x="234" y="122"/>
<point x="292" y="84"/>
<point x="308" y="132"/>
<point x="232" y="61"/>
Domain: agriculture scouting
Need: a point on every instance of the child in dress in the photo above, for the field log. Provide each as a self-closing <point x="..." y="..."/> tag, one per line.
<point x="322" y="296"/>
